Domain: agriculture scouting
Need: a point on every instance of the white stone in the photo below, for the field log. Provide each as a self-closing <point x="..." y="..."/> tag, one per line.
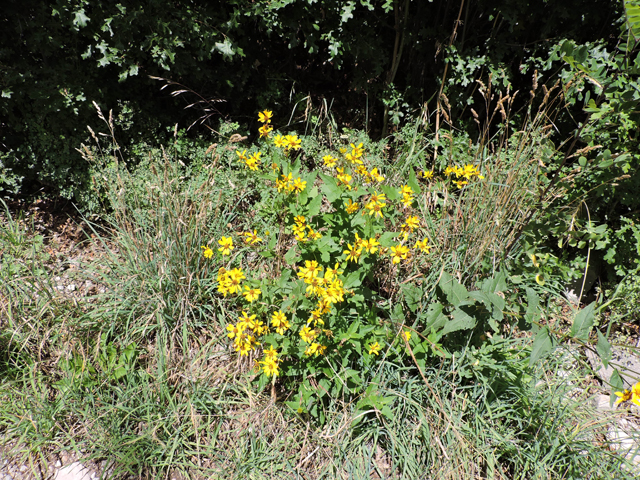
<point x="73" y="471"/>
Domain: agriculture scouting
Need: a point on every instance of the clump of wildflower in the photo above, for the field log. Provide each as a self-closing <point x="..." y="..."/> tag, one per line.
<point x="426" y="174"/>
<point x="375" y="175"/>
<point x="253" y="162"/>
<point x="280" y="141"/>
<point x="288" y="184"/>
<point x="463" y="174"/>
<point x="374" y="348"/>
<point x="376" y="204"/>
<point x="226" y="245"/>
<point x="355" y="154"/>
<point x="371" y="245"/>
<point x="207" y="252"/>
<point x="244" y="333"/>
<point x="229" y="280"/>
<point x="292" y="142"/>
<point x="270" y="362"/>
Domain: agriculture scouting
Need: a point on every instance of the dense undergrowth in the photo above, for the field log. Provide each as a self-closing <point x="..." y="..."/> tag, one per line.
<point x="435" y="352"/>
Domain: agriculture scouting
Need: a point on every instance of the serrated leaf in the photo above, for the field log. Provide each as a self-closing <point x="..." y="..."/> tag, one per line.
<point x="80" y="18"/>
<point x="583" y="322"/>
<point x="435" y="318"/>
<point x="542" y="345"/>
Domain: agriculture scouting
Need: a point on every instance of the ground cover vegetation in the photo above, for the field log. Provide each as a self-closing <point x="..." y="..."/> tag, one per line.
<point x="289" y="296"/>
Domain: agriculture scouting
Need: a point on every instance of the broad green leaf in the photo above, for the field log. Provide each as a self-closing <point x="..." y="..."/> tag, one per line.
<point x="496" y="284"/>
<point x="435" y="318"/>
<point x="532" y="305"/>
<point x="453" y="290"/>
<point x="460" y="320"/>
<point x="290" y="256"/>
<point x="330" y="188"/>
<point x="353" y="280"/>
<point x="314" y="206"/>
<point x="542" y="345"/>
<point x="583" y="322"/>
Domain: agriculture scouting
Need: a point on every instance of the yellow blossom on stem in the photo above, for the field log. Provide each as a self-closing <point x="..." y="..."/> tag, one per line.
<point x="352" y="253"/>
<point x="422" y="246"/>
<point x="407" y="200"/>
<point x="399" y="252"/>
<point x="313" y="235"/>
<point x="352" y="206"/>
<point x="308" y="335"/>
<point x="226" y="245"/>
<point x="315" y="349"/>
<point x="251" y="294"/>
<point x="374" y="348"/>
<point x="242" y="156"/>
<point x="265" y="130"/>
<point x="329" y="161"/>
<point x="265" y="116"/>
<point x="252" y="238"/>
<point x="412" y="222"/>
<point x="426" y="174"/>
<point x="280" y="141"/>
<point x="207" y="252"/>
<point x="371" y="245"/>
<point x="406" y="190"/>
<point x="406" y="335"/>
<point x="299" y="185"/>
<point x="279" y="322"/>
<point x="292" y="142"/>
<point x="375" y="175"/>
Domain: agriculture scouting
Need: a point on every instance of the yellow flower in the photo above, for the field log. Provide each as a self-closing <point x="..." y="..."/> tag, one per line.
<point x="406" y="335"/>
<point x="412" y="222"/>
<point x="406" y="190"/>
<point x="329" y="161"/>
<point x="407" y="200"/>
<point x="233" y="330"/>
<point x="375" y="208"/>
<point x="426" y="174"/>
<point x="374" y="348"/>
<point x="357" y="151"/>
<point x="376" y="176"/>
<point x="300" y="220"/>
<point x="271" y="353"/>
<point x="248" y="320"/>
<point x="623" y="396"/>
<point x="422" y="246"/>
<point x="400" y="252"/>
<point x="315" y="349"/>
<point x="332" y="272"/>
<point x="352" y="206"/>
<point x="233" y="280"/>
<point x="280" y="322"/>
<point x="313" y="235"/>
<point x="359" y="242"/>
<point x="371" y="245"/>
<point x="460" y="183"/>
<point x="264" y="130"/>
<point x="299" y="185"/>
<point x="270" y="367"/>
<point x="450" y="171"/>
<point x="310" y="270"/>
<point x="293" y="142"/>
<point x="207" y="252"/>
<point x="251" y="294"/>
<point x="353" y="253"/>
<point x="280" y="141"/>
<point x="242" y="156"/>
<point x="334" y="293"/>
<point x="378" y="198"/>
<point x="308" y="335"/>
<point x="265" y="117"/>
<point x="252" y="238"/>
<point x="226" y="245"/>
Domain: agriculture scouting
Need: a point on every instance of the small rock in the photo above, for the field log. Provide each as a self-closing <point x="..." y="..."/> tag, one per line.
<point x="627" y="363"/>
<point x="23" y="468"/>
<point x="73" y="471"/>
<point x="602" y="403"/>
<point x="71" y="288"/>
<point x="58" y="464"/>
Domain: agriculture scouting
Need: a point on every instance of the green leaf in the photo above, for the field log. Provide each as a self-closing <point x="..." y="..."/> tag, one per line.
<point x="604" y="350"/>
<point x="330" y="188"/>
<point x="314" y="206"/>
<point x="80" y="19"/>
<point x="583" y="322"/>
<point x="460" y="320"/>
<point x="386" y="239"/>
<point x="412" y="296"/>
<point x="453" y="290"/>
<point x="290" y="256"/>
<point x="435" y="318"/>
<point x="542" y="345"/>
<point x="352" y="281"/>
<point x="532" y="305"/>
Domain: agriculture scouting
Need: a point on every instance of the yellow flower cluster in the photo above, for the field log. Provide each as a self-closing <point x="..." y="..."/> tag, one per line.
<point x="287" y="142"/>
<point x="251" y="238"/>
<point x="463" y="174"/>
<point x="245" y="333"/>
<point x="229" y="281"/>
<point x="353" y="252"/>
<point x="632" y="395"/>
<point x="265" y="119"/>
<point x="206" y="251"/>
<point x="407" y="195"/>
<point x="286" y="183"/>
<point x="270" y="362"/>
<point x="303" y="231"/>
<point x="226" y="245"/>
<point x="376" y="203"/>
<point x="252" y="162"/>
<point x="343" y="178"/>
